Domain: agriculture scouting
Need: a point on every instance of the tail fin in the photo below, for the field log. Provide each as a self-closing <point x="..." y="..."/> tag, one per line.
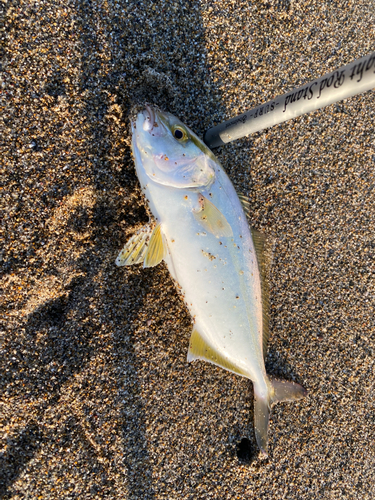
<point x="278" y="390"/>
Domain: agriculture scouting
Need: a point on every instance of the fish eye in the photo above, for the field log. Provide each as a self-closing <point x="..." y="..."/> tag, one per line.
<point x="179" y="133"/>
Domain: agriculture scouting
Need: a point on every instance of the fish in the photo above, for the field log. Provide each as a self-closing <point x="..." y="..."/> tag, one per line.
<point x="201" y="231"/>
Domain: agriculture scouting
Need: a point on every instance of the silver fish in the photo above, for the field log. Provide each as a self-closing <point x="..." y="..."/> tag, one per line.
<point x="202" y="234"/>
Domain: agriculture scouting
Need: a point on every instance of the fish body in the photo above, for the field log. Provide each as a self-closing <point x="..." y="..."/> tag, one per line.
<point x="203" y="235"/>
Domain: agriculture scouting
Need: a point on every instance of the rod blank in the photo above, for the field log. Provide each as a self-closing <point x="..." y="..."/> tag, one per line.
<point x="355" y="78"/>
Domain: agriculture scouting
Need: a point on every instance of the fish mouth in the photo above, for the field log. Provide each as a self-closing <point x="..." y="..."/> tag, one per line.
<point x="152" y="122"/>
<point x="149" y="115"/>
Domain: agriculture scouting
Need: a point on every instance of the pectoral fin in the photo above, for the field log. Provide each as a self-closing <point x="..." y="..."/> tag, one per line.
<point x="200" y="349"/>
<point x="147" y="246"/>
<point x="157" y="248"/>
<point x="135" y="249"/>
<point x="211" y="218"/>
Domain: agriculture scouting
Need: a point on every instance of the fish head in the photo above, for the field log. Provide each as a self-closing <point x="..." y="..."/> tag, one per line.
<point x="169" y="152"/>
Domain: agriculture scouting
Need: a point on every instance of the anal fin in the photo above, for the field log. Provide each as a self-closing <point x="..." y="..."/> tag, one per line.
<point x="200" y="349"/>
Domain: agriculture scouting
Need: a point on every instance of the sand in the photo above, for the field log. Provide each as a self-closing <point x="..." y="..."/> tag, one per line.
<point x="97" y="400"/>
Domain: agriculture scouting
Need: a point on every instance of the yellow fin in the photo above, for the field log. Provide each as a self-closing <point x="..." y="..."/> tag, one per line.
<point x="211" y="218"/>
<point x="199" y="349"/>
<point x="157" y="248"/>
<point x="135" y="249"/>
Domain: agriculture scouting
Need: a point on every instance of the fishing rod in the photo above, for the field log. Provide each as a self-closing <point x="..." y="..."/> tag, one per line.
<point x="352" y="79"/>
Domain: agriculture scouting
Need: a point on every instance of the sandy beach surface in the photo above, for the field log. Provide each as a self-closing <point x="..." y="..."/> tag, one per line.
<point x="96" y="397"/>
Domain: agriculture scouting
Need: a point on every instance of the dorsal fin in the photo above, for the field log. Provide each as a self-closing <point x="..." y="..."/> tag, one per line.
<point x="157" y="248"/>
<point x="211" y="218"/>
<point x="200" y="349"/>
<point x="263" y="251"/>
<point x="245" y="202"/>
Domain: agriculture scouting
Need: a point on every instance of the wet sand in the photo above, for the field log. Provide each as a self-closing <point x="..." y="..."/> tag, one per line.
<point x="97" y="400"/>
